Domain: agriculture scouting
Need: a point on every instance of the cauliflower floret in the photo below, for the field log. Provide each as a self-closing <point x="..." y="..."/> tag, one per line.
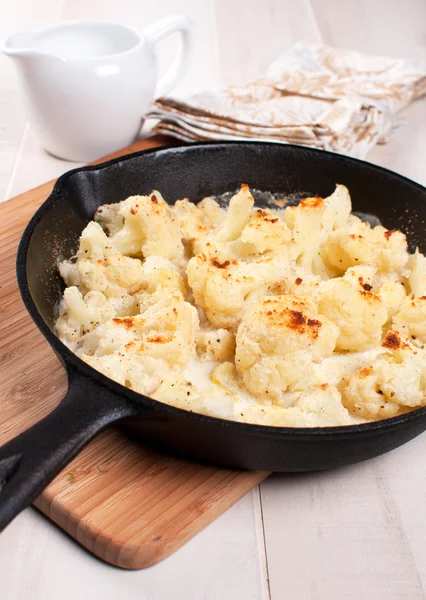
<point x="392" y="293"/>
<point x="213" y="401"/>
<point x="311" y="221"/>
<point x="114" y="275"/>
<point x="215" y="345"/>
<point x="358" y="313"/>
<point x="142" y="350"/>
<point x="244" y="232"/>
<point x="361" y="276"/>
<point x="166" y="330"/>
<point x="142" y="373"/>
<point x="213" y="213"/>
<point x="222" y="285"/>
<point x="263" y="232"/>
<point x="363" y="396"/>
<point x="94" y="244"/>
<point x="100" y="267"/>
<point x="323" y="406"/>
<point x="171" y="325"/>
<point x="113" y="366"/>
<point x="360" y="244"/>
<point x="149" y="228"/>
<point x="417" y="277"/>
<point x="80" y="314"/>
<point x="394" y="382"/>
<point x="237" y="216"/>
<point x="109" y="218"/>
<point x="197" y="220"/>
<point x="410" y="321"/>
<point x="160" y="278"/>
<point x="277" y="341"/>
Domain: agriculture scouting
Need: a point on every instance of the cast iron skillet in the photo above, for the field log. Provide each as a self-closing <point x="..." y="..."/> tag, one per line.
<point x="30" y="461"/>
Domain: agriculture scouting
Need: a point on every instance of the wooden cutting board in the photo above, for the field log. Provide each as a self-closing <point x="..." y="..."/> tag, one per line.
<point x="127" y="504"/>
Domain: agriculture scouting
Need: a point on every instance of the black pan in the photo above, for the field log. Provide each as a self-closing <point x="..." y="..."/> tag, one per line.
<point x="30" y="461"/>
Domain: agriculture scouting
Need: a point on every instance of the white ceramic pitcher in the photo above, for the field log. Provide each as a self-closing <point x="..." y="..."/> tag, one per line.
<point x="89" y="83"/>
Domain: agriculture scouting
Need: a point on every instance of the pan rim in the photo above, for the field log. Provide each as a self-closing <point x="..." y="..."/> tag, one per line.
<point x="145" y="402"/>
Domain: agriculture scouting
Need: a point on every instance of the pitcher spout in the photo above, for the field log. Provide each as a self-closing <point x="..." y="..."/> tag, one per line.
<point x="19" y="45"/>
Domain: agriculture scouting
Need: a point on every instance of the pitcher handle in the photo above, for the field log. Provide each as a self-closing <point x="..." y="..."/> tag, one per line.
<point x="159" y="30"/>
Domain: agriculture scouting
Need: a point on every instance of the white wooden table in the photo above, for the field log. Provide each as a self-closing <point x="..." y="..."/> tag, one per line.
<point x="358" y="532"/>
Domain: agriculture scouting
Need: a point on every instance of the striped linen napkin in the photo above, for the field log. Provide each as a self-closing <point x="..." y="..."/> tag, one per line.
<point x="318" y="96"/>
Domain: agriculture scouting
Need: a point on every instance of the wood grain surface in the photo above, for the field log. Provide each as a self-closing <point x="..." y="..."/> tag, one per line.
<point x="127" y="504"/>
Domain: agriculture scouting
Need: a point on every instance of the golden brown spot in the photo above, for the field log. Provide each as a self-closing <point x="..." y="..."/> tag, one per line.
<point x="133" y="211"/>
<point x="366" y="372"/>
<point x="388" y="233"/>
<point x="100" y="262"/>
<point x="393" y="341"/>
<point x="154" y="199"/>
<point x="244" y="187"/>
<point x="356" y="237"/>
<point x="298" y="281"/>
<point x="157" y="339"/>
<point x="371" y="298"/>
<point x="367" y="287"/>
<point x="222" y="265"/>
<point x="128" y="322"/>
<point x="314" y="323"/>
<point x="324" y="386"/>
<point x="295" y="320"/>
<point x="266" y="216"/>
<point x="315" y="202"/>
<point x="129" y="345"/>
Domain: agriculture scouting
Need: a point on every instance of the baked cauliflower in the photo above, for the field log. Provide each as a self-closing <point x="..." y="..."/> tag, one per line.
<point x="359" y="243"/>
<point x="304" y="316"/>
<point x="222" y="286"/>
<point x="149" y="229"/>
<point x="394" y="382"/>
<point x="277" y="341"/>
<point x="358" y="314"/>
<point x="311" y="222"/>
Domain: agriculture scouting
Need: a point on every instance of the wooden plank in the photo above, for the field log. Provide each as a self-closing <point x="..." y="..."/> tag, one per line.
<point x="358" y="532"/>
<point x="251" y="37"/>
<point x="389" y="28"/>
<point x="25" y="15"/>
<point x="128" y="505"/>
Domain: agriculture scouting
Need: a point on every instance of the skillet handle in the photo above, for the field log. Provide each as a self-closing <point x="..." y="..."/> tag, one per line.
<point x="31" y="460"/>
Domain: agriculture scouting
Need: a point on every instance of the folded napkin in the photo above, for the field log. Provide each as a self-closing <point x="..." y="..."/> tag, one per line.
<point x="318" y="96"/>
